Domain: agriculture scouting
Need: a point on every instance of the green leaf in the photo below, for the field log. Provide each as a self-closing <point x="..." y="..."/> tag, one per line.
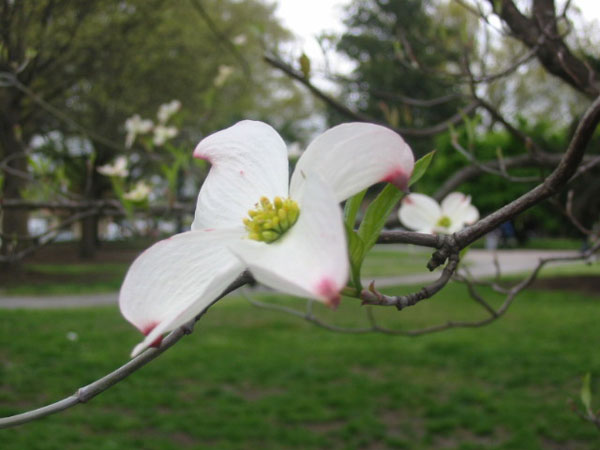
<point x="356" y="252"/>
<point x="499" y="153"/>
<point x="586" y="393"/>
<point x="497" y="7"/>
<point x="421" y="166"/>
<point x="377" y="214"/>
<point x="305" y="65"/>
<point x="351" y="208"/>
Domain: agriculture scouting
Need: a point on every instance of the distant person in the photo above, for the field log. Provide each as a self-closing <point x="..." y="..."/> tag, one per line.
<point x="492" y="239"/>
<point x="509" y="236"/>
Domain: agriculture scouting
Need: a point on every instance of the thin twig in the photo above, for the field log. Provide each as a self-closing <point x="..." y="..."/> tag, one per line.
<point x="355" y="115"/>
<point x="88" y="392"/>
<point x="553" y="183"/>
<point x="371" y="296"/>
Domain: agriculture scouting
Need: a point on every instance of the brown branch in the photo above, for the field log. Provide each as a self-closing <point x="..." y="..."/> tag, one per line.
<point x="354" y="115"/>
<point x="411" y="237"/>
<point x="501" y="171"/>
<point x="105" y="207"/>
<point x="11" y="79"/>
<point x="553" y="183"/>
<point x="43" y="239"/>
<point x="371" y="296"/>
<point x="553" y="53"/>
<point x="419" y="103"/>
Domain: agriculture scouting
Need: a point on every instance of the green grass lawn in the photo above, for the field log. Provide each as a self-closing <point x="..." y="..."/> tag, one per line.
<point x="57" y="279"/>
<point x="254" y="379"/>
<point x="90" y="277"/>
<point x="98" y="277"/>
<point x="382" y="262"/>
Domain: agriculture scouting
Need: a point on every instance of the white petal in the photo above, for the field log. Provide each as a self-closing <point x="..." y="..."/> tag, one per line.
<point x="458" y="208"/>
<point x="175" y="279"/>
<point x="470" y="215"/>
<point x="311" y="259"/>
<point x="353" y="156"/>
<point x="453" y="202"/>
<point x="419" y="212"/>
<point x="249" y="160"/>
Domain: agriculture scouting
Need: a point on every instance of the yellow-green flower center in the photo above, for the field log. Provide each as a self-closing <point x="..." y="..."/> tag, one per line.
<point x="268" y="221"/>
<point x="444" y="222"/>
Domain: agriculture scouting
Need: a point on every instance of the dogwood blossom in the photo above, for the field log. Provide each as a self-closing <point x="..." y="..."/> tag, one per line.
<point x="240" y="39"/>
<point x="223" y="75"/>
<point x="116" y="169"/>
<point x="166" y="110"/>
<point x="423" y="214"/>
<point x="294" y="150"/>
<point x="289" y="236"/>
<point x="163" y="133"/>
<point x="139" y="193"/>
<point x="136" y="125"/>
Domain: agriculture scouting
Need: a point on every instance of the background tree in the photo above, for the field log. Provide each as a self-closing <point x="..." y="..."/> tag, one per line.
<point x="403" y="53"/>
<point x="101" y="61"/>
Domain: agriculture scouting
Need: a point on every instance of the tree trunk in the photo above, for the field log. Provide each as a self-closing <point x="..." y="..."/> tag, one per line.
<point x="14" y="221"/>
<point x="89" y="237"/>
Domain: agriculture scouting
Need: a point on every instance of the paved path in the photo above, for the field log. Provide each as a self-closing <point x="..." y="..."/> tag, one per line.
<point x="481" y="263"/>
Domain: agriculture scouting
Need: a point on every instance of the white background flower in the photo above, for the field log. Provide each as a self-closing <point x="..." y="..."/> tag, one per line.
<point x="136" y="125"/>
<point x="163" y="133"/>
<point x="240" y="39"/>
<point x="140" y="192"/>
<point x="223" y="75"/>
<point x="177" y="278"/>
<point x="294" y="150"/>
<point x="116" y="169"/>
<point x="166" y="110"/>
<point x="423" y="214"/>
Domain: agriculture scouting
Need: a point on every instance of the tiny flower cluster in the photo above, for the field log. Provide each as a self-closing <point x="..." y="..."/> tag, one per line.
<point x="139" y="193"/>
<point x="117" y="169"/>
<point x="223" y="75"/>
<point x="135" y="125"/>
<point x="166" y="110"/>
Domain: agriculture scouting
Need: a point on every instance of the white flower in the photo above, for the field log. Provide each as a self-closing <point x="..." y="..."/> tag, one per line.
<point x="136" y="125"/>
<point x="301" y="253"/>
<point x="294" y="150"/>
<point x="162" y="134"/>
<point x="139" y="193"/>
<point x="116" y="169"/>
<point x="223" y="75"/>
<point x="423" y="214"/>
<point x="240" y="39"/>
<point x="166" y="110"/>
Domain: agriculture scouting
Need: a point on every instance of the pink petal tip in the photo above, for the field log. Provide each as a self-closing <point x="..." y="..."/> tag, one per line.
<point x="326" y="288"/>
<point x="148" y="329"/>
<point x="398" y="178"/>
<point x="199" y="155"/>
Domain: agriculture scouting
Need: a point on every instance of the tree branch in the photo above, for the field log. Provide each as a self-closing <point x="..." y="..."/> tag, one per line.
<point x="553" y="183"/>
<point x="553" y="53"/>
<point x="354" y="115"/>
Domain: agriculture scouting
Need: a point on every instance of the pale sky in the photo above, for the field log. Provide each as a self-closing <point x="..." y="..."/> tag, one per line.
<point x="309" y="18"/>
